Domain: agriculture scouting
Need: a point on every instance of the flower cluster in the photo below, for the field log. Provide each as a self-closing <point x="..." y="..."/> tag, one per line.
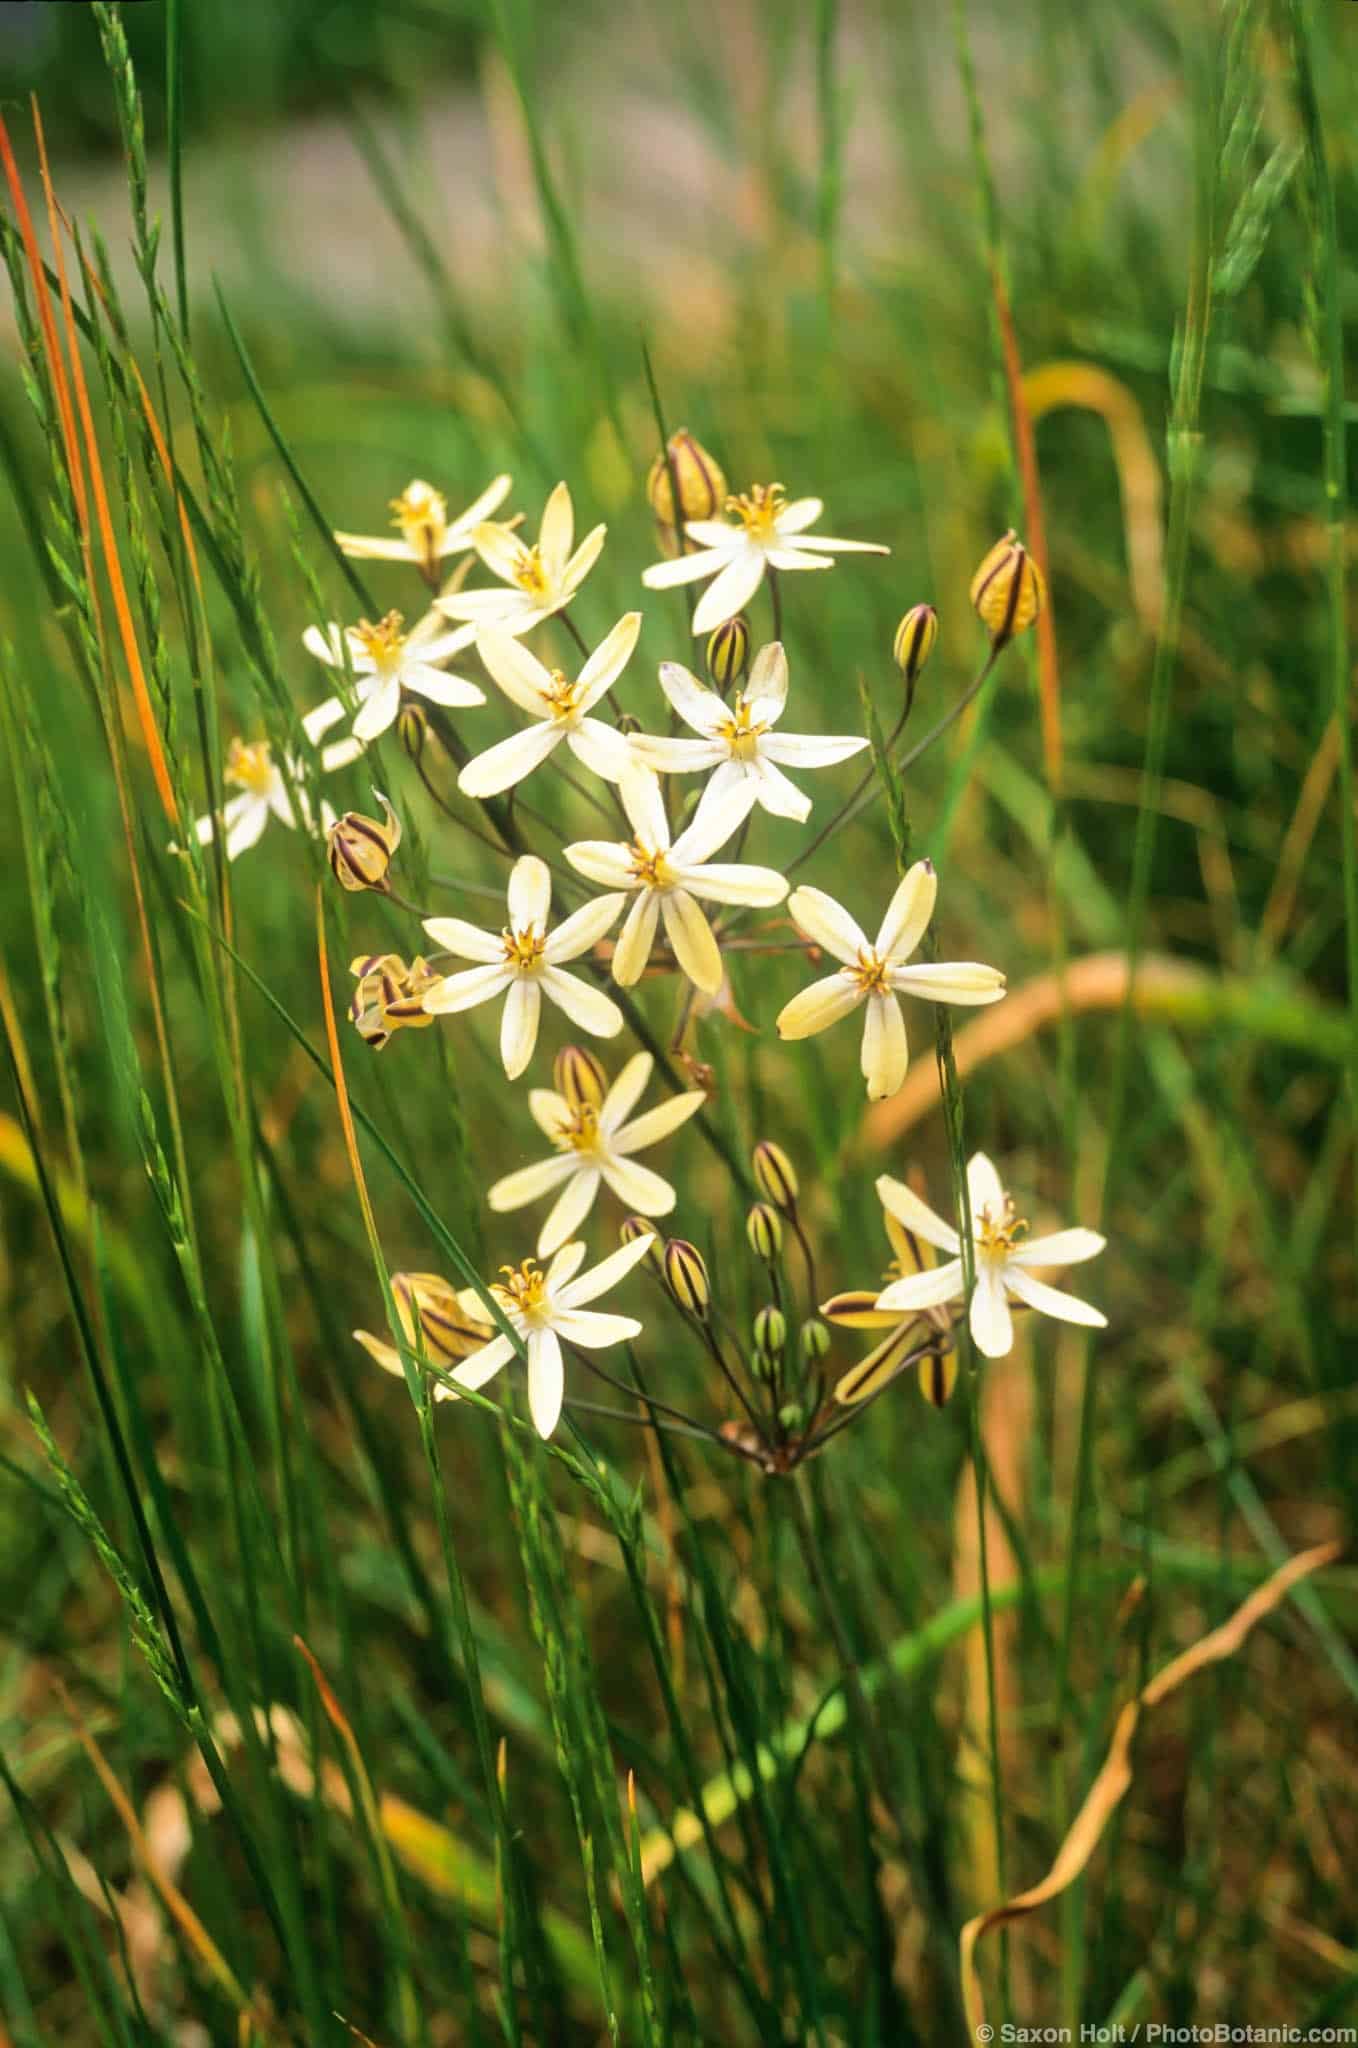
<point x="677" y="891"/>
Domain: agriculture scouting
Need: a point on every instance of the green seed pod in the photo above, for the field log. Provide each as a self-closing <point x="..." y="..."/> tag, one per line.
<point x="770" y="1331"/>
<point x="914" y="643"/>
<point x="579" y="1077"/>
<point x="728" y="652"/>
<point x="814" y="1341"/>
<point x="775" y="1175"/>
<point x="1007" y="590"/>
<point x="686" y="1277"/>
<point x="764" y="1229"/>
<point x="360" y="849"/>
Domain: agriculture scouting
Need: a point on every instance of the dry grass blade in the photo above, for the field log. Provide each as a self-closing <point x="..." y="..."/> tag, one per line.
<point x="1111" y="1784"/>
<point x="1092" y="389"/>
<point x="1048" y="671"/>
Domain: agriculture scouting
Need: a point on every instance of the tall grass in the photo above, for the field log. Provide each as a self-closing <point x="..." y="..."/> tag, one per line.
<point x="333" y="1711"/>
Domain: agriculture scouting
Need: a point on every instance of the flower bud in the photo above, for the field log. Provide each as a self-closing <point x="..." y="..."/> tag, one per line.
<point x="361" y="850"/>
<point x="792" y="1417"/>
<point x="412" y="728"/>
<point x="1007" y="590"/>
<point x="814" y="1341"/>
<point x="633" y="1227"/>
<point x="628" y="723"/>
<point x="938" y="1377"/>
<point x="914" y="643"/>
<point x="389" y="996"/>
<point x="764" y="1229"/>
<point x="686" y="1277"/>
<point x="775" y="1175"/>
<point x="770" y="1331"/>
<point x="728" y="652"/>
<point x="701" y="485"/>
<point x="434" y="1318"/>
<point x="579" y="1077"/>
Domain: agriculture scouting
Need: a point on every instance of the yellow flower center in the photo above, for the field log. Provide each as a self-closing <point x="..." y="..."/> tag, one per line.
<point x="530" y="575"/>
<point x="523" y="949"/>
<point x="997" y="1239"/>
<point x="757" y="510"/>
<point x="383" y="643"/>
<point x="740" y="732"/>
<point x="249" y="767"/>
<point x="524" y="1291"/>
<point x="870" y="974"/>
<point x="650" y="867"/>
<point x="421" y="515"/>
<point x="580" y="1131"/>
<point x="563" y="696"/>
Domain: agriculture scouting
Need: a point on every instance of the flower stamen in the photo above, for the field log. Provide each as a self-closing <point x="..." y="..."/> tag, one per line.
<point x="382" y="643"/>
<point x="523" y="949"/>
<point x="757" y="509"/>
<point x="249" y="766"/>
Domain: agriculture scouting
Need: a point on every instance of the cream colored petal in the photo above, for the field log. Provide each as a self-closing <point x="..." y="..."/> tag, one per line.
<point x="379" y="710"/>
<point x="608" y="660"/>
<point x="766" y="691"/>
<point x="827" y="924"/>
<point x="245" y="828"/>
<point x="602" y="749"/>
<point x="438" y="687"/>
<point x="482" y="1366"/>
<point x="637" y="1187"/>
<point x="923" y="1290"/>
<point x="809" y="750"/>
<point x="468" y="941"/>
<point x="793" y="559"/>
<point x="581" y="562"/>
<point x="588" y="1007"/>
<point x="658" y="1123"/>
<point x="700" y="708"/>
<point x="570" y="1210"/>
<point x="339" y="754"/>
<point x="509" y="609"/>
<point x="384" y="1354"/>
<point x="692" y="941"/>
<point x="1052" y="1301"/>
<point x="605" y="861"/>
<point x="992" y="1326"/>
<point x="734" y="882"/>
<point x="546" y="1380"/>
<point x="1062" y="1248"/>
<point x="801" y="513"/>
<point x="326" y="643"/>
<point x="500" y="549"/>
<point x="599" y="1279"/>
<point x="626" y="1092"/>
<point x="908" y="913"/>
<point x="519" y="1024"/>
<point x="582" y="930"/>
<point x="465" y="990"/>
<point x="665" y="756"/>
<point x="530" y="893"/>
<point x="950" y="981"/>
<point x="514" y="670"/>
<point x="685" y="569"/>
<point x="985" y="1190"/>
<point x="374" y="547"/>
<point x="323" y="717"/>
<point x="645" y="807"/>
<point x="819" y="1006"/>
<point x="481" y="508"/>
<point x="918" y="1218"/>
<point x="775" y="793"/>
<point x="549" y="1111"/>
<point x="509" y="760"/>
<point x="636" y="939"/>
<point x="595" y="1331"/>
<point x="721" y="534"/>
<point x="822" y="544"/>
<point x="885" y="1054"/>
<point x="731" y="591"/>
<point x="431" y="641"/>
<point x="724" y="806"/>
<point x="565" y="1265"/>
<point x="531" y="1183"/>
<point x="557" y="531"/>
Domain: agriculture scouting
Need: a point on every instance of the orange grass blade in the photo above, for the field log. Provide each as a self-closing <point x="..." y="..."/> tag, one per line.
<point x="56" y="366"/>
<point x="1115" y="1775"/>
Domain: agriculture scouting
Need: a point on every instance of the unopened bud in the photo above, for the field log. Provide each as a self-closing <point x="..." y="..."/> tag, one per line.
<point x="633" y="1227"/>
<point x="579" y="1077"/>
<point x="361" y="850"/>
<point x="775" y="1175"/>
<point x="628" y="723"/>
<point x="770" y="1331"/>
<point x="791" y="1417"/>
<point x="389" y="996"/>
<point x="686" y="1276"/>
<point x="938" y="1377"/>
<point x="914" y="643"/>
<point x="434" y="1319"/>
<point x="728" y="652"/>
<point x="1007" y="590"/>
<point x="814" y="1341"/>
<point x="701" y="487"/>
<point x="412" y="728"/>
<point x="764" y="1229"/>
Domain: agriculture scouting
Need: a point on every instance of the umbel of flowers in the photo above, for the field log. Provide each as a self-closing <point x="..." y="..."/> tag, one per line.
<point x="670" y="895"/>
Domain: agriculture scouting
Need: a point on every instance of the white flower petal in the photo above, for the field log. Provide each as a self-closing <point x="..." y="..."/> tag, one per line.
<point x="908" y="913"/>
<point x="588" y="1007"/>
<point x="950" y="981"/>
<point x="676" y="756"/>
<point x="323" y="717"/>
<point x="245" y="827"/>
<point x="724" y="806"/>
<point x="685" y="569"/>
<point x="581" y="562"/>
<point x="645" y="807"/>
<point x="531" y="1183"/>
<point x="885" y="1054"/>
<point x="725" y="535"/>
<point x="827" y="924"/>
<point x="1061" y="1248"/>
<point x="440" y="688"/>
<point x="326" y="643"/>
<point x="373" y="547"/>
<point x="514" y="670"/>
<point x="572" y="1206"/>
<point x="606" y="861"/>
<point x="824" y="545"/>
<point x="557" y="531"/>
<point x="700" y="708"/>
<point x="468" y="941"/>
<point x="549" y="1111"/>
<point x="792" y="558"/>
<point x="546" y="1380"/>
<point x="583" y="929"/>
<point x="985" y="1190"/>
<point x="637" y="1187"/>
<point x="509" y="760"/>
<point x="625" y="1093"/>
<point x="917" y="1217"/>
<point x="603" y="750"/>
<point x="565" y="1265"/>
<point x="775" y="794"/>
<point x="731" y="591"/>
<point x="809" y="750"/>
<point x="734" y="882"/>
<point x="519" y="1024"/>
<point x="379" y="710"/>
<point x="819" y="1006"/>
<point x="929" y="1289"/>
<point x="654" y="1124"/>
<point x="801" y="513"/>
<point x="691" y="939"/>
<point x="635" y="940"/>
<point x="1052" y="1301"/>
<point x="606" y="1274"/>
<point x="608" y="660"/>
<point x="463" y="991"/>
<point x="529" y="895"/>
<point x="340" y="754"/>
<point x="483" y="1365"/>
<point x="500" y="549"/>
<point x="765" y="693"/>
<point x="992" y="1326"/>
<point x="594" y="1331"/>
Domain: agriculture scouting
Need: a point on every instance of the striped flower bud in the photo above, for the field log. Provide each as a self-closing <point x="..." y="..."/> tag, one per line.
<point x="435" y="1320"/>
<point x="775" y="1175"/>
<point x="938" y="1377"/>
<point x="728" y="652"/>
<point x="579" y="1077"/>
<point x="764" y="1229"/>
<point x="770" y="1331"/>
<point x="633" y="1227"/>
<point x="701" y="485"/>
<point x="1007" y="590"/>
<point x="686" y="1277"/>
<point x="914" y="643"/>
<point x="412" y="728"/>
<point x="361" y="850"/>
<point x="389" y="996"/>
<point x="814" y="1341"/>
